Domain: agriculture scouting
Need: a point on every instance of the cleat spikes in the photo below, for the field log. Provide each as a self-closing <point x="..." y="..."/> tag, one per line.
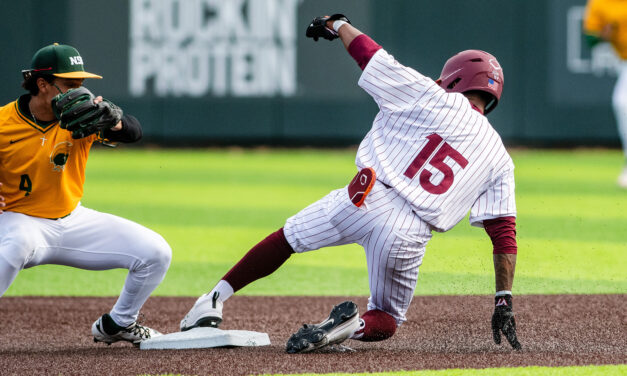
<point x="342" y="322"/>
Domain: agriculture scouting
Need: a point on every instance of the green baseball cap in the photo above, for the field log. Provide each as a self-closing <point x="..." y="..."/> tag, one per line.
<point x="60" y="60"/>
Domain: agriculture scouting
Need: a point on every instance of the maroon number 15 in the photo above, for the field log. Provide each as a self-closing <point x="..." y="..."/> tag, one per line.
<point x="436" y="159"/>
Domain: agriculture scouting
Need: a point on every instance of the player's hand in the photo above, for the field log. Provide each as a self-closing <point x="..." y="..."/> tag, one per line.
<point x="318" y="27"/>
<point x="118" y="125"/>
<point x="2" y="204"/>
<point x="503" y="321"/>
<point x="84" y="114"/>
<point x="608" y="31"/>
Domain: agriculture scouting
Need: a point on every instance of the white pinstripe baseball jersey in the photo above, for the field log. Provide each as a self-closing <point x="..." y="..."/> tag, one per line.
<point x="440" y="154"/>
<point x="435" y="158"/>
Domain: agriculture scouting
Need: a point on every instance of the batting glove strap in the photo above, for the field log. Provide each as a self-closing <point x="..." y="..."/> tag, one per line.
<point x="503" y="301"/>
<point x="339" y="17"/>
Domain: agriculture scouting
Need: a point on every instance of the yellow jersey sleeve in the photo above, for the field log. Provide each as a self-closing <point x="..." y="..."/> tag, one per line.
<point x="42" y="169"/>
<point x="593" y="18"/>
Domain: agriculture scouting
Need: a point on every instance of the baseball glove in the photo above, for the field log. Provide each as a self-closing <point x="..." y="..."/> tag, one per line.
<point x="79" y="114"/>
<point x="318" y="27"/>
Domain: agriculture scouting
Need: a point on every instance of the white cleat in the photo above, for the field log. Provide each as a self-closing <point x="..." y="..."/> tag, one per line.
<point x="207" y="311"/>
<point x="106" y="330"/>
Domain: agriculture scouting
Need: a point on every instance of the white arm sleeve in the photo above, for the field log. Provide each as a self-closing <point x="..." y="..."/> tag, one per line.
<point x="392" y="85"/>
<point x="497" y="201"/>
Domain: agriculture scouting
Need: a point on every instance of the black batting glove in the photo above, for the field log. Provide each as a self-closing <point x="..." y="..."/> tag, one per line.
<point x="503" y="321"/>
<point x="318" y="27"/>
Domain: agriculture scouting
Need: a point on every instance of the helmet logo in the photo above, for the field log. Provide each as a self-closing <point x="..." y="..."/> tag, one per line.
<point x="60" y="155"/>
<point x="495" y="68"/>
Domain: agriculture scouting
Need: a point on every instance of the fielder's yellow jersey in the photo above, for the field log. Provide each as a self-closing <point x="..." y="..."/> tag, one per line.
<point x="600" y="13"/>
<point x="42" y="169"/>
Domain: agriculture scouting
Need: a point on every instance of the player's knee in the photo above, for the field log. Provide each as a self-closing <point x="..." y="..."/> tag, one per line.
<point x="378" y="326"/>
<point x="17" y="245"/>
<point x="161" y="254"/>
<point x="15" y="254"/>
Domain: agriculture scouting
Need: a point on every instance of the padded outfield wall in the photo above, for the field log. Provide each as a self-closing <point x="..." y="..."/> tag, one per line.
<point x="241" y="71"/>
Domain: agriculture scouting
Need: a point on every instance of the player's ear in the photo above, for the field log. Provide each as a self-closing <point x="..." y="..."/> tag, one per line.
<point x="41" y="83"/>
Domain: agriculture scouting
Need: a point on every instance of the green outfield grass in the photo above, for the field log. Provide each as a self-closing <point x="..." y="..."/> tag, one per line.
<point x="213" y="205"/>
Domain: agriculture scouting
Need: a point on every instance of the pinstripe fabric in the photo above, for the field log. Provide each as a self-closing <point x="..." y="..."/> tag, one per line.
<point x="496" y="201"/>
<point x="393" y="237"/>
<point x="413" y="107"/>
<point x="440" y="158"/>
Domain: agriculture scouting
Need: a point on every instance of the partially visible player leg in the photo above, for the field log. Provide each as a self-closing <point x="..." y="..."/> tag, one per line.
<point x="262" y="260"/>
<point x="375" y="325"/>
<point x="382" y="214"/>
<point x="619" y="102"/>
<point x="307" y="230"/>
<point x="20" y="236"/>
<point x="99" y="241"/>
<point x="394" y="253"/>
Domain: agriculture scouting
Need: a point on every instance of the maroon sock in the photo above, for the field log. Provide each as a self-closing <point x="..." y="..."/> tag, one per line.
<point x="378" y="326"/>
<point x="262" y="260"/>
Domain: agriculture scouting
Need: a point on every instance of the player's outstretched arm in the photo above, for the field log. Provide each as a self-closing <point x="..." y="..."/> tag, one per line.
<point x="346" y="32"/>
<point x="2" y="204"/>
<point x="503" y="320"/>
<point x="332" y="27"/>
<point x="502" y="231"/>
<point x="130" y="130"/>
<point x="358" y="44"/>
<point x="504" y="267"/>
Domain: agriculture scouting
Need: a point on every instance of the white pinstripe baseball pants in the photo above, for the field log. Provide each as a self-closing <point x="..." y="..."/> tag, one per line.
<point x="393" y="237"/>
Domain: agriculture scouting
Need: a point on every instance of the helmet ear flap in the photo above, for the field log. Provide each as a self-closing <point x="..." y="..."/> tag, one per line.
<point x="489" y="100"/>
<point x="490" y="105"/>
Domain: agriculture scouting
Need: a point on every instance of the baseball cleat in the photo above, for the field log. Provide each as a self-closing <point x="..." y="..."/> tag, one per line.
<point x="107" y="331"/>
<point x="341" y="324"/>
<point x="207" y="311"/>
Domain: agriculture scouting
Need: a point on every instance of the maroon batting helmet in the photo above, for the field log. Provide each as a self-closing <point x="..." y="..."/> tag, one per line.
<point x="474" y="70"/>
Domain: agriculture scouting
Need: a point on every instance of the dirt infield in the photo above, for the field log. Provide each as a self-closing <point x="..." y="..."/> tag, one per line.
<point x="52" y="336"/>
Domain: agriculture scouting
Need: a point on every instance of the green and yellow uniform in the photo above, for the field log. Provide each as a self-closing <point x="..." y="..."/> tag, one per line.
<point x="42" y="169"/>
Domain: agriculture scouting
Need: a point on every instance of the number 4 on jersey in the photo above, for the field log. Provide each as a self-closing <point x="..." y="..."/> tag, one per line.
<point x="26" y="184"/>
<point x="436" y="158"/>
